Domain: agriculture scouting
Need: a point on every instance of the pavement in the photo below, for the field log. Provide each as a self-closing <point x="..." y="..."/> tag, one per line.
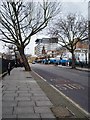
<point x="21" y="97"/>
<point x="78" y="68"/>
<point x="0" y="100"/>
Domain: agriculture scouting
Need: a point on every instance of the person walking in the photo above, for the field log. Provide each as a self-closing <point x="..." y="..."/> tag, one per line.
<point x="9" y="68"/>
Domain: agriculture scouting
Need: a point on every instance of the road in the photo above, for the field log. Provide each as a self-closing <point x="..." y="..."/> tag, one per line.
<point x="73" y="83"/>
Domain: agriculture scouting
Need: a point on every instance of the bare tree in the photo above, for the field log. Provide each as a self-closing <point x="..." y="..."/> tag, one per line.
<point x="70" y="30"/>
<point x="20" y="20"/>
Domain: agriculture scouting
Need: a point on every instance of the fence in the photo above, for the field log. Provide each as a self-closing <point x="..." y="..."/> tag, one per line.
<point x="4" y="64"/>
<point x="0" y="65"/>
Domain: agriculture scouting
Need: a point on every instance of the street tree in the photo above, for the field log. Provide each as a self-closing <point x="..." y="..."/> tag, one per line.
<point x="70" y="30"/>
<point x="20" y="20"/>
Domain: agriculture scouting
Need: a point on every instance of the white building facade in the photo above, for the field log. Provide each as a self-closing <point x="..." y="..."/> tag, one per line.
<point x="48" y="44"/>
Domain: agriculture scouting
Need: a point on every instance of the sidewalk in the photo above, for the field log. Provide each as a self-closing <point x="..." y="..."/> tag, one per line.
<point x="78" y="68"/>
<point x="0" y="100"/>
<point x="83" y="69"/>
<point x="23" y="98"/>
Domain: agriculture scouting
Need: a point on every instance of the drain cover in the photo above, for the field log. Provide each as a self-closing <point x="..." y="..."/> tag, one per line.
<point x="28" y="77"/>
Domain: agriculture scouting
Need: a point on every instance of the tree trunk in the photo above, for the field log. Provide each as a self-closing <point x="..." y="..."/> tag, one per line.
<point x="73" y="61"/>
<point x="25" y="61"/>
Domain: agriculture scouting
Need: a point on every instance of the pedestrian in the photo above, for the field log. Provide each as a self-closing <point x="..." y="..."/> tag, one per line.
<point x="9" y="68"/>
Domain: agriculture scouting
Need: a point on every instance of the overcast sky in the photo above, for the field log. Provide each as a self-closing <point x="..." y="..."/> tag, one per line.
<point x="68" y="6"/>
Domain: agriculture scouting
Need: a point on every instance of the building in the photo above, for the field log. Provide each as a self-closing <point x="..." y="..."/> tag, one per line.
<point x="0" y="55"/>
<point x="81" y="51"/>
<point x="44" y="45"/>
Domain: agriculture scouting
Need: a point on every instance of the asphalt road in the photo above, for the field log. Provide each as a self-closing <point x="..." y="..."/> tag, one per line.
<point x="73" y="83"/>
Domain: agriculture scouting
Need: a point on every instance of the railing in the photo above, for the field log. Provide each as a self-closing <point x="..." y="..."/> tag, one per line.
<point x="4" y="64"/>
<point x="0" y="65"/>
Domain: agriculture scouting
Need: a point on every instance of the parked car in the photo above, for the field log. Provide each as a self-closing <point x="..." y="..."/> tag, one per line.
<point x="64" y="62"/>
<point x="33" y="62"/>
<point x="76" y="62"/>
<point x="58" y="62"/>
<point x="52" y="61"/>
<point x="45" y="61"/>
<point x="38" y="61"/>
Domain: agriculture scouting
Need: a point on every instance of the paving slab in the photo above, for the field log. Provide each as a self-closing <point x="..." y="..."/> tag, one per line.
<point x="8" y="92"/>
<point x="7" y="110"/>
<point x="39" y="98"/>
<point x="30" y="115"/>
<point x="9" y="116"/>
<point x="47" y="115"/>
<point x="42" y="110"/>
<point x="23" y="98"/>
<point x="10" y="95"/>
<point x="23" y="110"/>
<point x="25" y="94"/>
<point x="24" y="88"/>
<point x="39" y="94"/>
<point x="9" y="104"/>
<point x="8" y="98"/>
<point x="43" y="103"/>
<point x="27" y="104"/>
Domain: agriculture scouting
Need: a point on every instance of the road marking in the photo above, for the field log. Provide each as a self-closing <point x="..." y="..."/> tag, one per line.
<point x="39" y="76"/>
<point x="71" y="101"/>
<point x="74" y="103"/>
<point x="57" y="85"/>
<point x="78" y="86"/>
<point x="68" y="86"/>
<point x="71" y="85"/>
<point x="64" y="88"/>
<point x="51" y="80"/>
<point x="61" y="87"/>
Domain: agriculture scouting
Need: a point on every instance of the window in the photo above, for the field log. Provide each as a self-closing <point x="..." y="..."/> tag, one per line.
<point x="82" y="54"/>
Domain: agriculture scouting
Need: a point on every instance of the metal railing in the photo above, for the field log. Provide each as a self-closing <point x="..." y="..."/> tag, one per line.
<point x="4" y="65"/>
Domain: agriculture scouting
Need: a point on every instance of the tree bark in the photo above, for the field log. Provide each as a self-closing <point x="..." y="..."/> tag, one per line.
<point x="25" y="61"/>
<point x="73" y="61"/>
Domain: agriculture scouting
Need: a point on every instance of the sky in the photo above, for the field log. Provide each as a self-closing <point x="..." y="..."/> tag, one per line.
<point x="68" y="6"/>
